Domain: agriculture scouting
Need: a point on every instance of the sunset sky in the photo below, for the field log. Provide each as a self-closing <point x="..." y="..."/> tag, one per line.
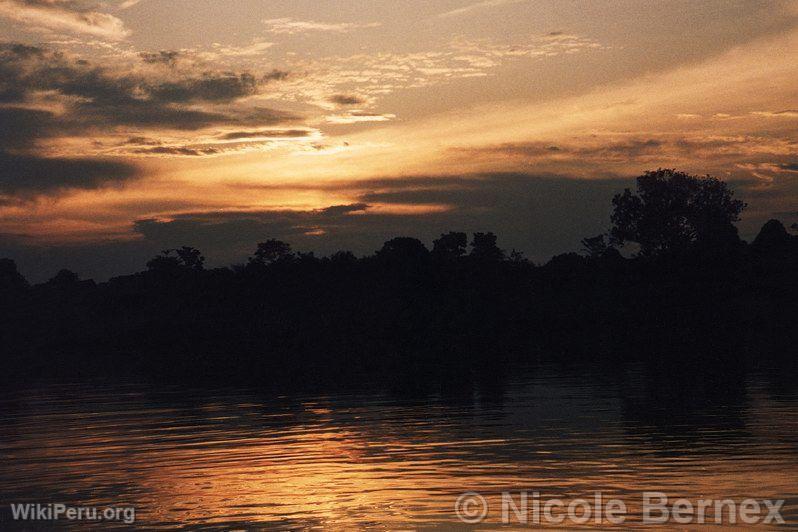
<point x="127" y="127"/>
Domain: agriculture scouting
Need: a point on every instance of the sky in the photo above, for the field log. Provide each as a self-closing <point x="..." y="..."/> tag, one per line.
<point x="128" y="127"/>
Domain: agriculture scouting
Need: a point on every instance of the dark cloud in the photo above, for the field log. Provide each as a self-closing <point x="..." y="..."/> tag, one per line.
<point x="346" y="99"/>
<point x="142" y="113"/>
<point x="141" y="141"/>
<point x="97" y="98"/>
<point x="268" y="133"/>
<point x="632" y="147"/>
<point x="790" y="167"/>
<point x="24" y="174"/>
<point x="210" y="88"/>
<point x="11" y="57"/>
<point x="336" y="210"/>
<point x="20" y="127"/>
<point x="164" y="57"/>
<point x="733" y="157"/>
<point x="247" y="138"/>
<point x="275" y="75"/>
<point x="108" y="98"/>
<point x="628" y="148"/>
<point x="176" y="150"/>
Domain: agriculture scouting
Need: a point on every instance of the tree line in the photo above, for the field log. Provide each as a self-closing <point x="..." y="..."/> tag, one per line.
<point x="670" y="282"/>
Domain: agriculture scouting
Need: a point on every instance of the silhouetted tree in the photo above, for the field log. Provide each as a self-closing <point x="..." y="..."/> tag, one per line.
<point x="517" y="256"/>
<point x="595" y="246"/>
<point x="403" y="248"/>
<point x="566" y="262"/>
<point x="484" y="247"/>
<point x="165" y="262"/>
<point x="343" y="257"/>
<point x="10" y="278"/>
<point x="64" y="279"/>
<point x="772" y="235"/>
<point x="271" y="251"/>
<point x="190" y="258"/>
<point x="672" y="210"/>
<point x="450" y="245"/>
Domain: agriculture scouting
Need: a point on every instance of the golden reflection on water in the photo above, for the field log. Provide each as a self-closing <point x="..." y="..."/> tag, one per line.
<point x="233" y="458"/>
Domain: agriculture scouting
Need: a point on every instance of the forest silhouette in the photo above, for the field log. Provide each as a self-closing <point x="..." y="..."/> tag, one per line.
<point x="670" y="283"/>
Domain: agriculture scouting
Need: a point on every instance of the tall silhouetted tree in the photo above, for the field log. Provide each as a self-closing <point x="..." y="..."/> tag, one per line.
<point x="191" y="258"/>
<point x="64" y="279"/>
<point x="450" y="245"/>
<point x="164" y="262"/>
<point x="175" y="260"/>
<point x="403" y="248"/>
<point x="595" y="246"/>
<point x="671" y="210"/>
<point x="517" y="256"/>
<point x="10" y="278"/>
<point x="484" y="247"/>
<point x="271" y="251"/>
<point x="343" y="257"/>
<point x="772" y="235"/>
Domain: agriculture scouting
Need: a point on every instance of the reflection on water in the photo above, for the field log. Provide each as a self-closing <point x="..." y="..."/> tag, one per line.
<point x="224" y="457"/>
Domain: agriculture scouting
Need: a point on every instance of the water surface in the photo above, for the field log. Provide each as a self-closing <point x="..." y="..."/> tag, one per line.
<point x="230" y="457"/>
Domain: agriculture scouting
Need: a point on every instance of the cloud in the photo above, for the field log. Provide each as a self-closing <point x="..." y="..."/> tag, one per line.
<point x="165" y="57"/>
<point x="175" y="150"/>
<point x="210" y="87"/>
<point x="275" y="75"/>
<point x="20" y="127"/>
<point x="289" y="26"/>
<point x="99" y="96"/>
<point x="374" y="75"/>
<point x="336" y="210"/>
<point x="64" y="15"/>
<point x="101" y="90"/>
<point x="478" y="6"/>
<point x="354" y="117"/>
<point x="581" y="154"/>
<point x="24" y="172"/>
<point x="786" y="113"/>
<point x="628" y="148"/>
<point x="266" y="133"/>
<point x="49" y="97"/>
<point x="31" y="175"/>
<point x="220" y="143"/>
<point x="345" y="99"/>
<point x="255" y="48"/>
